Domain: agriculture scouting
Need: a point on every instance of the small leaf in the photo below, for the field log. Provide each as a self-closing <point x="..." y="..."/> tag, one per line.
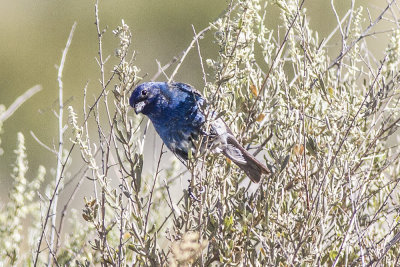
<point x="281" y="6"/>
<point x="95" y="211"/>
<point x="92" y="202"/>
<point x="321" y="82"/>
<point x="86" y="217"/>
<point x="133" y="247"/>
<point x="138" y="172"/>
<point x="240" y="23"/>
<point x="298" y="149"/>
<point x="263" y="252"/>
<point x="330" y="91"/>
<point x="228" y="221"/>
<point x="285" y="162"/>
<point x="190" y="154"/>
<point x="254" y="90"/>
<point x="260" y="117"/>
<point x="311" y="146"/>
<point x="127" y="235"/>
<point x="333" y="254"/>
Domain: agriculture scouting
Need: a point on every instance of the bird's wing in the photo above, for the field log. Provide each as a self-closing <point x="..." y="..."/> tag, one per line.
<point x="231" y="148"/>
<point x="191" y="91"/>
<point x="234" y="153"/>
<point x="223" y="140"/>
<point x="187" y="88"/>
<point x="250" y="165"/>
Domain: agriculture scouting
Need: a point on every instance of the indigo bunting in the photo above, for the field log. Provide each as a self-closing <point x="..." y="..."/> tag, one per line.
<point x="178" y="113"/>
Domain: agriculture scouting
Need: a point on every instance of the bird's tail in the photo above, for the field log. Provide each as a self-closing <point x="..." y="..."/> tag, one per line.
<point x="246" y="161"/>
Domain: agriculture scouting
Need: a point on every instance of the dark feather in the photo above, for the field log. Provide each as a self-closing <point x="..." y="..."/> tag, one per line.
<point x="178" y="113"/>
<point x="251" y="166"/>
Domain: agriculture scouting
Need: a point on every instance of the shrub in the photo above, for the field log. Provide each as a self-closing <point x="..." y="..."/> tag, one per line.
<point x="326" y="125"/>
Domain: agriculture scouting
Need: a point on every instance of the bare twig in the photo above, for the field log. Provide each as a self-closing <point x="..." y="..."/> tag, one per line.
<point x="19" y="101"/>
<point x="275" y="59"/>
<point x="60" y="143"/>
<point x="48" y="215"/>
<point x="200" y="58"/>
<point x="362" y="36"/>
<point x="42" y="144"/>
<point x="152" y="188"/>
<point x="65" y="209"/>
<point x="185" y="53"/>
<point x="161" y="70"/>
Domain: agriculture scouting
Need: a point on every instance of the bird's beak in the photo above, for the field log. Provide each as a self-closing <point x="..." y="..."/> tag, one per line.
<point x="139" y="107"/>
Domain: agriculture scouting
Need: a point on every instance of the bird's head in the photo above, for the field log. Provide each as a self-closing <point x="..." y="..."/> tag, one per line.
<point x="144" y="96"/>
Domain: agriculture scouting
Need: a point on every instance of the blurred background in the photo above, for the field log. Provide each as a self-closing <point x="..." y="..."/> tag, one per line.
<point x="33" y="34"/>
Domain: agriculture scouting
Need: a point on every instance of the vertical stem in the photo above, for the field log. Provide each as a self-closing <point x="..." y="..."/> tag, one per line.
<point x="103" y="235"/>
<point x="60" y="146"/>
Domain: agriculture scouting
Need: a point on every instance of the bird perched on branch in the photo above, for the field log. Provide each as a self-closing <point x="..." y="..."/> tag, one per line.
<point x="179" y="114"/>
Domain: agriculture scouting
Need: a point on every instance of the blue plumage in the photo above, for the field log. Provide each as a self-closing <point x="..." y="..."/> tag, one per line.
<point x="177" y="112"/>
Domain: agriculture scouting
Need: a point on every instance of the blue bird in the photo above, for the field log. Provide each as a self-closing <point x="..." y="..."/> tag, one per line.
<point x="178" y="113"/>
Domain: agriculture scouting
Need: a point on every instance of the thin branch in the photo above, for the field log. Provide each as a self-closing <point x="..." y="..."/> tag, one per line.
<point x="200" y="58"/>
<point x="152" y="188"/>
<point x="19" y="101"/>
<point x="60" y="142"/>
<point x="60" y="166"/>
<point x="41" y="143"/>
<point x="65" y="209"/>
<point x="185" y="53"/>
<point x="362" y="36"/>
<point x="275" y="59"/>
<point x="161" y="70"/>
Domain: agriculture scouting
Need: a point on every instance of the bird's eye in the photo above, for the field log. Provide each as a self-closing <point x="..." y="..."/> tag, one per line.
<point x="144" y="92"/>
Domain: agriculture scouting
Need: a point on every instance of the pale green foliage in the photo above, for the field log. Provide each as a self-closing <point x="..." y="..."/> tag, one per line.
<point x="84" y="144"/>
<point x="333" y="196"/>
<point x="130" y="229"/>
<point x="76" y="248"/>
<point x="393" y="52"/>
<point x="329" y="146"/>
<point x="334" y="169"/>
<point x="20" y="205"/>
<point x="325" y="125"/>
